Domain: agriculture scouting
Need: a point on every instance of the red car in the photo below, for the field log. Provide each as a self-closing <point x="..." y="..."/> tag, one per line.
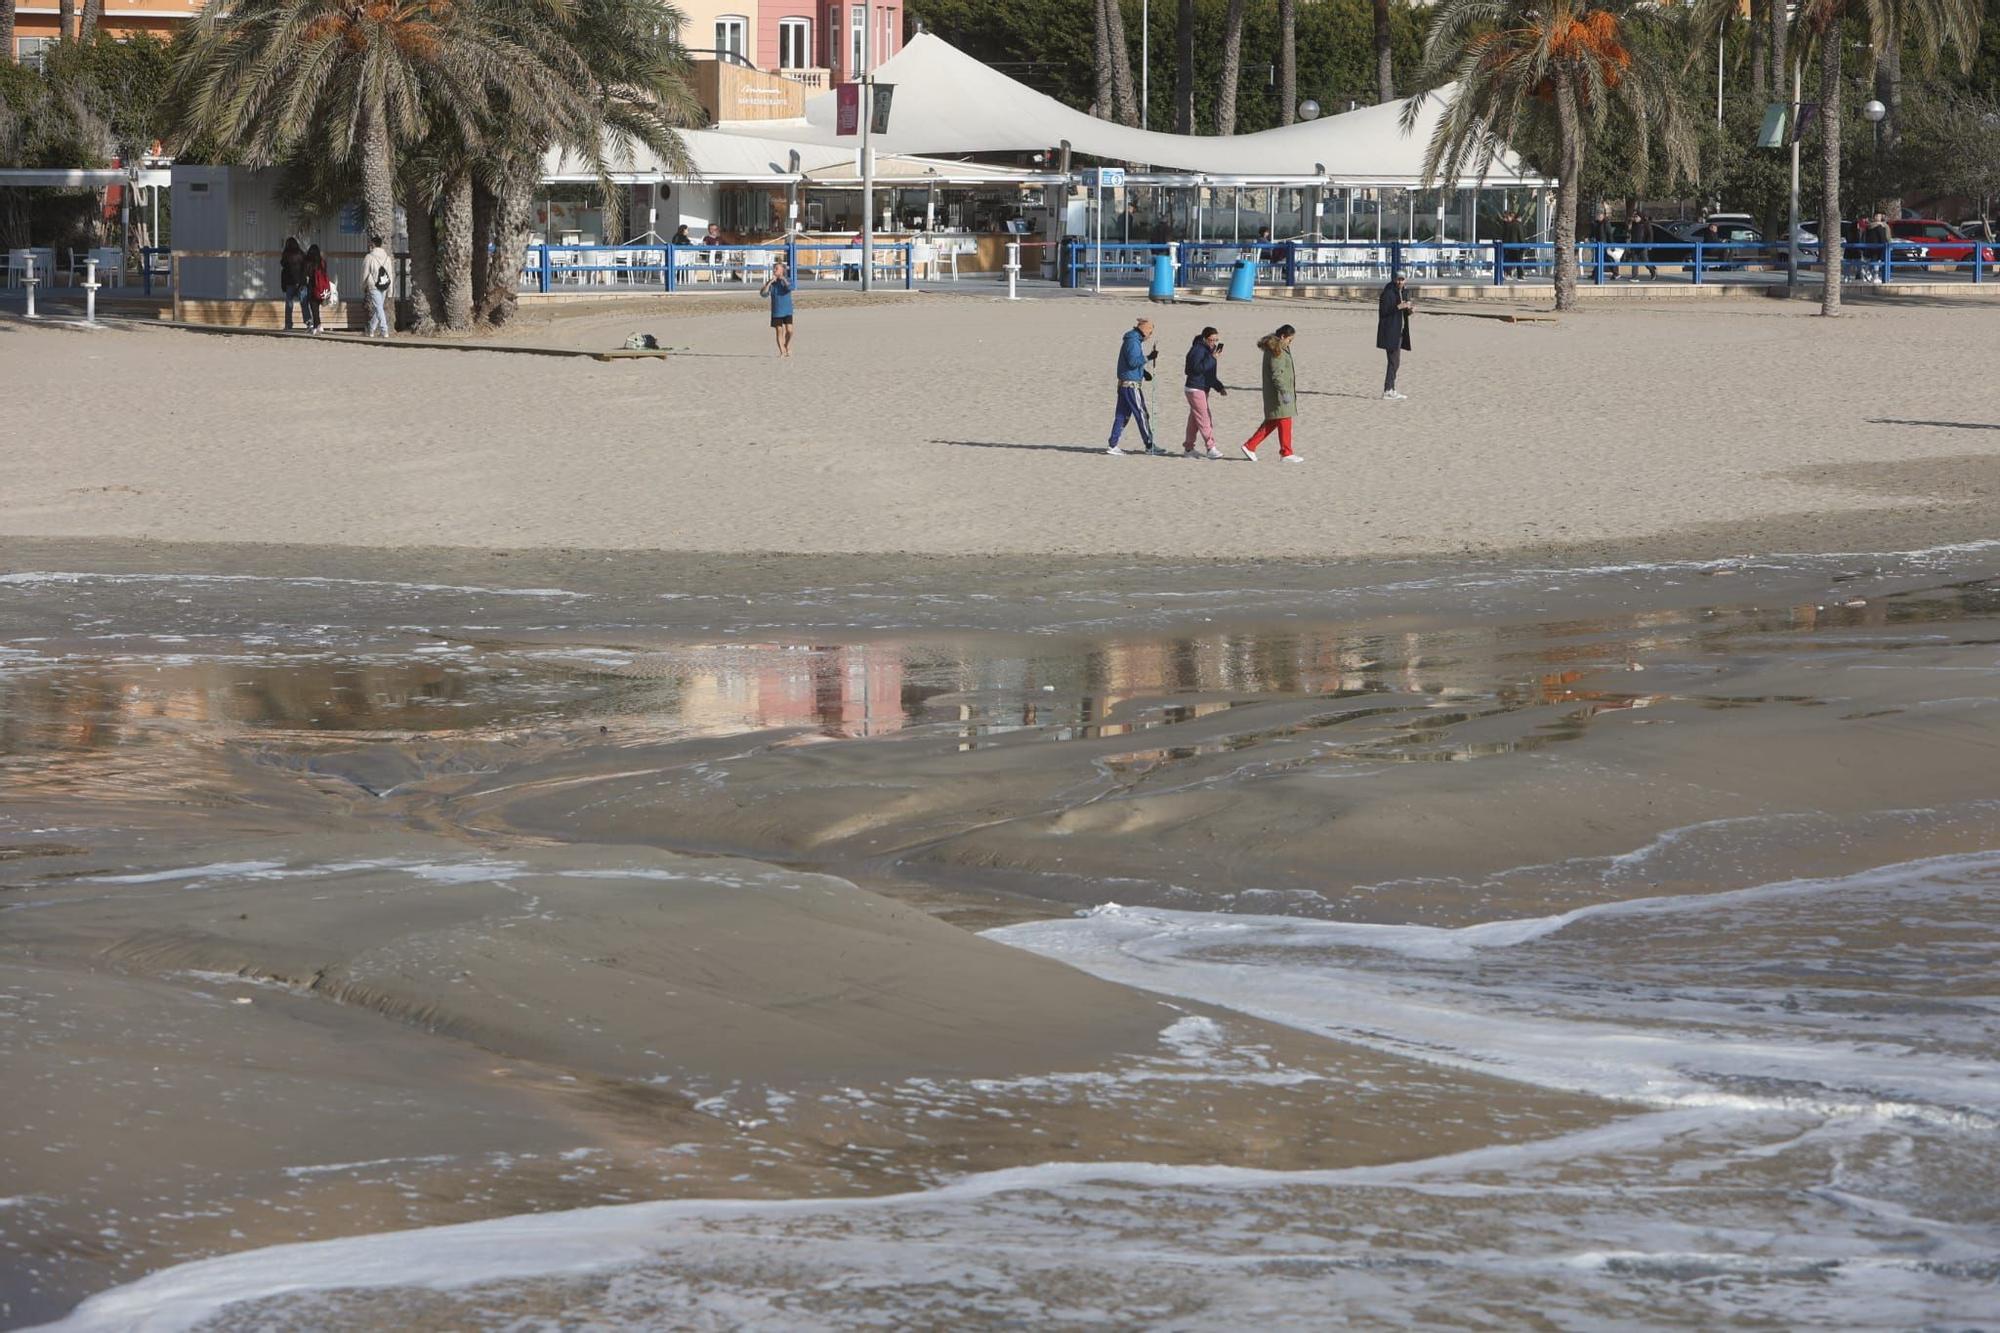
<point x="1946" y="243"/>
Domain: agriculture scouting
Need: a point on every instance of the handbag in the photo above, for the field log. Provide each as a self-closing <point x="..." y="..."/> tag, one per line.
<point x="332" y="296"/>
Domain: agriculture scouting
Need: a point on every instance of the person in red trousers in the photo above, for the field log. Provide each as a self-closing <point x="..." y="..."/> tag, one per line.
<point x="1280" y="394"/>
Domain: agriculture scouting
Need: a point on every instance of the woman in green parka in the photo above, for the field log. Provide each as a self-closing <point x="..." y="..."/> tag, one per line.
<point x="1280" y="394"/>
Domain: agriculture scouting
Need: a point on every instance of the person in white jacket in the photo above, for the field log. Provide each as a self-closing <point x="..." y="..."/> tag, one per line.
<point x="378" y="279"/>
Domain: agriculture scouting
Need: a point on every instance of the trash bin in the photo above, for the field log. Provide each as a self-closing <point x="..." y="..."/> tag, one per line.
<point x="1243" y="282"/>
<point x="1163" y="278"/>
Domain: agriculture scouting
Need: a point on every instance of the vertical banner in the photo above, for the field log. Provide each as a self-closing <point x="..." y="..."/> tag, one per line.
<point x="847" y="109"/>
<point x="878" y="121"/>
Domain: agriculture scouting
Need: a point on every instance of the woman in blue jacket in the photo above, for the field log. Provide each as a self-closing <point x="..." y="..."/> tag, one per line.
<point x="1202" y="370"/>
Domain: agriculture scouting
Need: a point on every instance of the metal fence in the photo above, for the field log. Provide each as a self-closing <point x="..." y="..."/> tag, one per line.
<point x="1309" y="263"/>
<point x="555" y="268"/>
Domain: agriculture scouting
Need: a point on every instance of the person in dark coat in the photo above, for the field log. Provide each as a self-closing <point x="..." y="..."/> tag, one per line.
<point x="292" y="276"/>
<point x="1392" y="330"/>
<point x="1638" y="235"/>
<point x="1510" y="235"/>
<point x="1603" y="233"/>
<point x="1203" y="377"/>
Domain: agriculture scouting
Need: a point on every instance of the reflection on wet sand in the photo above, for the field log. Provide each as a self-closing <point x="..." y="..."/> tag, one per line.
<point x="454" y="912"/>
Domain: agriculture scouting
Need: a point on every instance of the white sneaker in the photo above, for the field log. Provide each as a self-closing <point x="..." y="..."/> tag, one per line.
<point x="1295" y="458"/>
<point x="1250" y="454"/>
<point x="1214" y="453"/>
<point x="1390" y="395"/>
<point x="1115" y="451"/>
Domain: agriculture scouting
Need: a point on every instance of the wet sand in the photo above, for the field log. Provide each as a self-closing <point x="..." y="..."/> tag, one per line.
<point x="341" y="898"/>
<point x="972" y="427"/>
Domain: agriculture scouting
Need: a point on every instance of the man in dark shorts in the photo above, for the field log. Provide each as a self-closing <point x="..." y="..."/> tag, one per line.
<point x="779" y="289"/>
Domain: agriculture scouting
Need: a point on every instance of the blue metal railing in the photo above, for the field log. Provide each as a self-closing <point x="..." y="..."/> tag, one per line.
<point x="1293" y="263"/>
<point x="674" y="267"/>
<point x="148" y="269"/>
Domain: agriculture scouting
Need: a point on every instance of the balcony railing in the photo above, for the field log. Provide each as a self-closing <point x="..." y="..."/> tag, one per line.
<point x="815" y="80"/>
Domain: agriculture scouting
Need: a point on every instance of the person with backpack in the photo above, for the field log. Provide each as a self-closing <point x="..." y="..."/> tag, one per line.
<point x="1280" y="394"/>
<point x="1132" y="376"/>
<point x="292" y="277"/>
<point x="1202" y="377"/>
<point x="378" y="276"/>
<point x="318" y="287"/>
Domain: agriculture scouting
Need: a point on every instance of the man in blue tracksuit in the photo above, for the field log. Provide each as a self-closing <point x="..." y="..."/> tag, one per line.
<point x="1132" y="376"/>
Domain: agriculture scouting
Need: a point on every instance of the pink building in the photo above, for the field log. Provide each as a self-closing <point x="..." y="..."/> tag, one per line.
<point x="840" y="29"/>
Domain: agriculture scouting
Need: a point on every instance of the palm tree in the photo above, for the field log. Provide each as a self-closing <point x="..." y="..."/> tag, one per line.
<point x="1232" y="68"/>
<point x="1929" y="24"/>
<point x="1100" y="32"/>
<point x="625" y="73"/>
<point x="357" y="77"/>
<point x="65" y="19"/>
<point x="6" y="29"/>
<point x="93" y="13"/>
<point x="1124" y="99"/>
<point x="1385" y="71"/>
<point x="1288" y="61"/>
<point x="1518" y="64"/>
<point x="1184" y="70"/>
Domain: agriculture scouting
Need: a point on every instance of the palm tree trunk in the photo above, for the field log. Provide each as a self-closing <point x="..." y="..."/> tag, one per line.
<point x="1829" y="139"/>
<point x="378" y="177"/>
<point x="1184" y="71"/>
<point x="1569" y="147"/>
<point x="1288" y="61"/>
<point x="1100" y="32"/>
<point x="426" y="296"/>
<point x="454" y="253"/>
<point x="66" y="19"/>
<point x="484" y="215"/>
<point x="1780" y="48"/>
<point x="513" y="224"/>
<point x="1385" y="70"/>
<point x="1760" y="72"/>
<point x="1123" y="96"/>
<point x="1232" y="69"/>
<point x="6" y="29"/>
<point x="93" y="14"/>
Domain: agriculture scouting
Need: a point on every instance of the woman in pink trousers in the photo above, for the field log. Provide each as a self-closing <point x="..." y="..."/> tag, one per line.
<point x="1201" y="377"/>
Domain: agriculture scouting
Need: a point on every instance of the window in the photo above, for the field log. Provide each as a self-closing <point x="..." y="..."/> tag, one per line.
<point x="885" y="34"/>
<point x="33" y="50"/>
<point x="732" y="35"/>
<point x="833" y="37"/>
<point x="794" y="43"/>
<point x="860" y="42"/>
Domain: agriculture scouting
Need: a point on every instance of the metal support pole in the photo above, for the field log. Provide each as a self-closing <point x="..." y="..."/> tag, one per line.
<point x="1013" y="269"/>
<point x="1145" y="57"/>
<point x="90" y="285"/>
<point x="1792" y="236"/>
<point x="31" y="279"/>
<point x="1719" y="35"/>
<point x="1097" y="247"/>
<point x="867" y="79"/>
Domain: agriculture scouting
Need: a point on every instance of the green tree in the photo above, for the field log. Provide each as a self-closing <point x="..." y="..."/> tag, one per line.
<point x="1519" y="65"/>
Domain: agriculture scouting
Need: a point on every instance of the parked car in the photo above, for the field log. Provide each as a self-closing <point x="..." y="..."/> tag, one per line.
<point x="1903" y="251"/>
<point x="1944" y="242"/>
<point x="1978" y="229"/>
<point x="1744" y="240"/>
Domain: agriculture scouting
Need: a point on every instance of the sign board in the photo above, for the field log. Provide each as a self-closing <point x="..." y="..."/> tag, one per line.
<point x="350" y="220"/>
<point x="879" y="122"/>
<point x="847" y="109"/>
<point x="1771" y="134"/>
<point x="1109" y="178"/>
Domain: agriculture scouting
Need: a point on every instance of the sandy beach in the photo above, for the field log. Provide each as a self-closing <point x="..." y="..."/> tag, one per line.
<point x="966" y="425"/>
<point x="496" y="840"/>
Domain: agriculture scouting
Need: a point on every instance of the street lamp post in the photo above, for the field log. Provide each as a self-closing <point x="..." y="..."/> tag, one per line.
<point x="1145" y="59"/>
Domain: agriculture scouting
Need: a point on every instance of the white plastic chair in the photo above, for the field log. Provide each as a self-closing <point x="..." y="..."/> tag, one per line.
<point x="19" y="265"/>
<point x="756" y="266"/>
<point x="850" y="259"/>
<point x="110" y="265"/>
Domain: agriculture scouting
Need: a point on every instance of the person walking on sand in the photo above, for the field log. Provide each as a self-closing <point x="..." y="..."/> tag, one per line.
<point x="318" y="286"/>
<point x="1132" y="377"/>
<point x="1202" y="376"/>
<point x="378" y="275"/>
<point x="292" y="277"/>
<point x="1279" y="394"/>
<point x="1392" y="330"/>
<point x="779" y="289"/>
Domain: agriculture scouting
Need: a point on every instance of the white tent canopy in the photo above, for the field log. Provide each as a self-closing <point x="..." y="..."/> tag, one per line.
<point x="732" y="158"/>
<point x="947" y="102"/>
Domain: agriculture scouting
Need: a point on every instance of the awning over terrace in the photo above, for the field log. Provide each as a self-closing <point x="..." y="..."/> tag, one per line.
<point x="719" y="158"/>
<point x="946" y="102"/>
